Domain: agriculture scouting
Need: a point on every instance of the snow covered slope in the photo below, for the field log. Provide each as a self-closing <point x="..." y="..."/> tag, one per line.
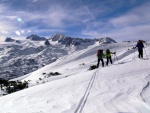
<point x="119" y="88"/>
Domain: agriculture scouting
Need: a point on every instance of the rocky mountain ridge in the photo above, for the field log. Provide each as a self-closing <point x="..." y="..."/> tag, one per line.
<point x="71" y="41"/>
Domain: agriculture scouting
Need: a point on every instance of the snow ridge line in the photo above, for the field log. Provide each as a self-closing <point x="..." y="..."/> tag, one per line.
<point x="86" y="94"/>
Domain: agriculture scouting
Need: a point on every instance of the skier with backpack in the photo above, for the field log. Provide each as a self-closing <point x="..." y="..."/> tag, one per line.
<point x="100" y="56"/>
<point x="108" y="56"/>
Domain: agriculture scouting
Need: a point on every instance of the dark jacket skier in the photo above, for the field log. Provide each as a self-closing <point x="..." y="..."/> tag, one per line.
<point x="100" y="56"/>
<point x="108" y="56"/>
<point x="140" y="47"/>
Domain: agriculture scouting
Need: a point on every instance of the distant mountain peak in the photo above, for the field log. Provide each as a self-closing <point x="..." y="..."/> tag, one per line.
<point x="58" y="37"/>
<point x="35" y="37"/>
<point x="8" y="39"/>
<point x="71" y="41"/>
<point x="47" y="43"/>
<point x="106" y="40"/>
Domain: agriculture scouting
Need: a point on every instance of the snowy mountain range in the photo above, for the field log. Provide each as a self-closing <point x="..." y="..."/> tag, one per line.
<point x="123" y="87"/>
<point x="71" y="41"/>
<point x="20" y="57"/>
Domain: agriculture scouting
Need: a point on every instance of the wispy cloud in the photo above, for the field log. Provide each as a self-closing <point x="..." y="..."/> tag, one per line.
<point x="134" y="25"/>
<point x="88" y="18"/>
<point x="34" y="0"/>
<point x="57" y="16"/>
<point x="138" y="15"/>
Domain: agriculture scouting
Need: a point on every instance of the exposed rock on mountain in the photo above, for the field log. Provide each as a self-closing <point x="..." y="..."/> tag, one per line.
<point x="58" y="37"/>
<point x="8" y="39"/>
<point x="47" y="43"/>
<point x="106" y="40"/>
<point x="69" y="41"/>
<point x="36" y="38"/>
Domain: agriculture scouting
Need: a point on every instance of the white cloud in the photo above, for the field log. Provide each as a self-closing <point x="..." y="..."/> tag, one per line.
<point x="130" y="26"/>
<point x="18" y="32"/>
<point x="131" y="32"/>
<point x="2" y="8"/>
<point x="136" y="16"/>
<point x="34" y="0"/>
<point x="22" y="31"/>
<point x="91" y="33"/>
<point x="56" y="17"/>
<point x="4" y="32"/>
<point x="29" y="31"/>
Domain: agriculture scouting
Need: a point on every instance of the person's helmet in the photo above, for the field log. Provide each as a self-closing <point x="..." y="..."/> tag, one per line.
<point x="139" y="41"/>
<point x="107" y="50"/>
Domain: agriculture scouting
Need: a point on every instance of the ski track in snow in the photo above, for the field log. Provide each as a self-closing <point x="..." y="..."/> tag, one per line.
<point x="87" y="92"/>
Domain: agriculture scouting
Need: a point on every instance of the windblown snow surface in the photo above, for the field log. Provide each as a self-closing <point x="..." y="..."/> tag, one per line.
<point x="123" y="87"/>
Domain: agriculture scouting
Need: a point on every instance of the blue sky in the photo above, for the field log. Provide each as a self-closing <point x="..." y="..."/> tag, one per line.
<point x="118" y="19"/>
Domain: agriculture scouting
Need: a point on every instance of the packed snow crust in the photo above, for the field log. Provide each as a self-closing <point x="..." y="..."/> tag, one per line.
<point x="119" y="88"/>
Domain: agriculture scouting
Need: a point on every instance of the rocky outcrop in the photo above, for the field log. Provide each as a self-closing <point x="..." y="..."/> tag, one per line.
<point x="106" y="40"/>
<point x="36" y="38"/>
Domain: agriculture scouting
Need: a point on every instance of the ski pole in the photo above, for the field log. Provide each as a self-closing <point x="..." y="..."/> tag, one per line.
<point x="145" y="53"/>
<point x="116" y="58"/>
<point x="134" y="55"/>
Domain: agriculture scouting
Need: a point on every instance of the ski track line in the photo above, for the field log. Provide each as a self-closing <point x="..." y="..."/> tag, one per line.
<point x="86" y="94"/>
<point x="143" y="90"/>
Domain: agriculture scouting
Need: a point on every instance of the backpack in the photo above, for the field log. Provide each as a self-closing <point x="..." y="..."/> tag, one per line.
<point x="99" y="52"/>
